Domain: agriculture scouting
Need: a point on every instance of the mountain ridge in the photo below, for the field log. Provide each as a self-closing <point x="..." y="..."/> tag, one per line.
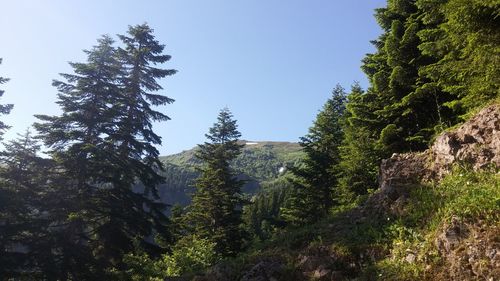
<point x="259" y="162"/>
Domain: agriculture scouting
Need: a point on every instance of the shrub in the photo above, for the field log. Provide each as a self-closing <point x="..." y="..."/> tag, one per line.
<point x="190" y="254"/>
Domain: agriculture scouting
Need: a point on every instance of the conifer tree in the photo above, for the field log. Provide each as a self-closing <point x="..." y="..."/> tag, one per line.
<point x="463" y="39"/>
<point x="84" y="158"/>
<point x="40" y="240"/>
<point x="215" y="211"/>
<point x="4" y="108"/>
<point x="406" y="110"/>
<point x="18" y="190"/>
<point x="402" y="109"/>
<point x="104" y="141"/>
<point x="359" y="153"/>
<point x="316" y="179"/>
<point x="136" y="159"/>
<point x="134" y="135"/>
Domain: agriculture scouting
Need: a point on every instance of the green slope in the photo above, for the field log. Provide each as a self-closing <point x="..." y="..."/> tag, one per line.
<point x="258" y="163"/>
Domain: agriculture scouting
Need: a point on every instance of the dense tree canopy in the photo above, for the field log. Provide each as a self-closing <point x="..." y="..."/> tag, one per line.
<point x="463" y="39"/>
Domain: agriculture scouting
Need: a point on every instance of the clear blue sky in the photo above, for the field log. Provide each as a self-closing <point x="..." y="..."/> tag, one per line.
<point x="273" y="63"/>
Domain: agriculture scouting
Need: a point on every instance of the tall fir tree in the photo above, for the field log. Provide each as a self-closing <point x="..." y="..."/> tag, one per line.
<point x="83" y="157"/>
<point x="315" y="180"/>
<point x="215" y="212"/>
<point x="402" y="109"/>
<point x="77" y="142"/>
<point x="359" y="153"/>
<point x="136" y="159"/>
<point x="104" y="141"/>
<point x="134" y="135"/>
<point x="407" y="111"/>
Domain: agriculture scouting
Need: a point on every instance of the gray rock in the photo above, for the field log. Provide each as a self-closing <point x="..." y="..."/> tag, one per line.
<point x="266" y="270"/>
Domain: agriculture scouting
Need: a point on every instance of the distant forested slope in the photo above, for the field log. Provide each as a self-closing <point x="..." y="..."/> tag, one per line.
<point x="259" y="163"/>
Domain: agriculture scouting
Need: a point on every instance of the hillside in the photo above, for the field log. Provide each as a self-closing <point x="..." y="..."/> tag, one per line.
<point x="259" y="162"/>
<point x="434" y="217"/>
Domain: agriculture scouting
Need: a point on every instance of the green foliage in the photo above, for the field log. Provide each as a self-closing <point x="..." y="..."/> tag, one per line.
<point x="263" y="217"/>
<point x="140" y="267"/>
<point x="464" y="40"/>
<point x="435" y="61"/>
<point x="405" y="109"/>
<point x="470" y="195"/>
<point x="39" y="237"/>
<point x="379" y="245"/>
<point x="315" y="180"/>
<point x="103" y="145"/>
<point x="258" y="164"/>
<point x="466" y="196"/>
<point x="359" y="152"/>
<point x="215" y="212"/>
<point x="191" y="254"/>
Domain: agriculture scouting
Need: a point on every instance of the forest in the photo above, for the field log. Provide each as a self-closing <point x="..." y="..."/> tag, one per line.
<point x="80" y="193"/>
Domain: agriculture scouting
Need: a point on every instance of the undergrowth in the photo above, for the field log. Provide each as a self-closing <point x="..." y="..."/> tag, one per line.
<point x="466" y="196"/>
<point x="389" y="248"/>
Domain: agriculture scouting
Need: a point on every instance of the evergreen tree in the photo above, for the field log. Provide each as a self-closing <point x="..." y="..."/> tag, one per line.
<point x="264" y="214"/>
<point x="38" y="238"/>
<point x="136" y="159"/>
<point x="104" y="142"/>
<point x="406" y="110"/>
<point x="18" y="173"/>
<point x="315" y="180"/>
<point x="134" y="135"/>
<point x="463" y="38"/>
<point x="4" y="108"/>
<point x="402" y="109"/>
<point x="360" y="155"/>
<point x="77" y="143"/>
<point x="215" y="211"/>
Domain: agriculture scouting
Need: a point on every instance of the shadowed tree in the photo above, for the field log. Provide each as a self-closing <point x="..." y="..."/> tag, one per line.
<point x="104" y="141"/>
<point x="215" y="211"/>
<point x="315" y="180"/>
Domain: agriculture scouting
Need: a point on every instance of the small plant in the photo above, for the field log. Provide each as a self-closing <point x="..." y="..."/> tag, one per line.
<point x="191" y="254"/>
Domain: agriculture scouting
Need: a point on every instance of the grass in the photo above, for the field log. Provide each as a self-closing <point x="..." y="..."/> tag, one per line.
<point x="390" y="248"/>
<point x="470" y="197"/>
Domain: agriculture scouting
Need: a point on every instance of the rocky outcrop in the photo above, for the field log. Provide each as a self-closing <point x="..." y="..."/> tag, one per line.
<point x="476" y="143"/>
<point x="266" y="270"/>
<point x="324" y="263"/>
<point x="471" y="251"/>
